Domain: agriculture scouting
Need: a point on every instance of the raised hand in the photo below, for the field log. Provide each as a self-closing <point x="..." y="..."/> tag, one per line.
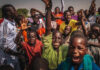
<point x="48" y="3"/>
<point x="24" y="24"/>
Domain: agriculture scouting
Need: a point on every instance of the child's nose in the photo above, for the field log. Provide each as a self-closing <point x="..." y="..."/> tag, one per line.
<point x="57" y="40"/>
<point x="75" y="51"/>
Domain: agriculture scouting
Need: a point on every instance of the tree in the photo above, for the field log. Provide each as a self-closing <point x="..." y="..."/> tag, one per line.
<point x="22" y="11"/>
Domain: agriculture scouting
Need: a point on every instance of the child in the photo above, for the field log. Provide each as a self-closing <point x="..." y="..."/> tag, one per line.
<point x="94" y="43"/>
<point x="66" y="35"/>
<point x="78" y="59"/>
<point x="58" y="15"/>
<point x="54" y="52"/>
<point x="33" y="47"/>
<point x="40" y="64"/>
<point x="21" y="23"/>
<point x="73" y="15"/>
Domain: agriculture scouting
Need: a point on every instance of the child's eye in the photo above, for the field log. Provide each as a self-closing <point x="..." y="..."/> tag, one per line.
<point x="80" y="47"/>
<point x="59" y="38"/>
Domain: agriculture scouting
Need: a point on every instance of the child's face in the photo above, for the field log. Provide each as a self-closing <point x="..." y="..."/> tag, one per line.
<point x="57" y="10"/>
<point x="71" y="11"/>
<point x="56" y="40"/>
<point x="36" y="19"/>
<point x="32" y="38"/>
<point x="77" y="50"/>
<point x="95" y="32"/>
<point x="32" y="13"/>
<point x="67" y="30"/>
<point x="68" y="15"/>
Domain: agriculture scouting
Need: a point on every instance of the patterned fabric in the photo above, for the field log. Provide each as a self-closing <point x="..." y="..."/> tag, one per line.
<point x="51" y="55"/>
<point x="92" y="19"/>
<point x="7" y="37"/>
<point x="95" y="51"/>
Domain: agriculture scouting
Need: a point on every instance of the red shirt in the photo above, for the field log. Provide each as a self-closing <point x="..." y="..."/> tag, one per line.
<point x="33" y="51"/>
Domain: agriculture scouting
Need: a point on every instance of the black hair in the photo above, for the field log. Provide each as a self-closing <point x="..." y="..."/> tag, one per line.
<point x="77" y="32"/>
<point x="56" y="8"/>
<point x="4" y="10"/>
<point x="40" y="63"/>
<point x="31" y="10"/>
<point x="78" y="36"/>
<point x="56" y="31"/>
<point x="29" y="30"/>
<point x="95" y="25"/>
<point x="70" y="7"/>
<point x="65" y="13"/>
<point x="18" y="19"/>
<point x="6" y="67"/>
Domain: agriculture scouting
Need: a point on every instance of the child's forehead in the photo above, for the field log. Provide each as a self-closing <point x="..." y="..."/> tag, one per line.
<point x="56" y="34"/>
<point x="32" y="33"/>
<point x="79" y="40"/>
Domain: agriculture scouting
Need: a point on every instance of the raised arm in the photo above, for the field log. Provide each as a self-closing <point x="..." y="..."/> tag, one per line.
<point x="62" y="5"/>
<point x="92" y="6"/>
<point x="83" y="20"/>
<point x="48" y="16"/>
<point x="39" y="12"/>
<point x="18" y="38"/>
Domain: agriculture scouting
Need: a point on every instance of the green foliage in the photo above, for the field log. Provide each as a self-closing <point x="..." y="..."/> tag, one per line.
<point x="0" y="13"/>
<point x="22" y="11"/>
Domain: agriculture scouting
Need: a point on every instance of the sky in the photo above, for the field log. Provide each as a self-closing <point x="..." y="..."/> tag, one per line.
<point x="38" y="4"/>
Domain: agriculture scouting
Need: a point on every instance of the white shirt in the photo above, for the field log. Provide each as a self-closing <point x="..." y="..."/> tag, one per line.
<point x="8" y="33"/>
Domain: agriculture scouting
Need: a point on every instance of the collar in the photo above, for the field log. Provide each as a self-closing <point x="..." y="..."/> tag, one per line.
<point x="11" y="22"/>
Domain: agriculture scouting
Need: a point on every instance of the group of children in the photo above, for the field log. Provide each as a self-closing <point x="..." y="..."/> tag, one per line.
<point x="52" y="41"/>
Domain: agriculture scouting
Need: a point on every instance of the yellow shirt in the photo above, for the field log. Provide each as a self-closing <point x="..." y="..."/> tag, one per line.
<point x="72" y="23"/>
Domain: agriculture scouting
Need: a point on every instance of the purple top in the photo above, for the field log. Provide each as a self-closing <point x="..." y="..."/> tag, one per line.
<point x="75" y="17"/>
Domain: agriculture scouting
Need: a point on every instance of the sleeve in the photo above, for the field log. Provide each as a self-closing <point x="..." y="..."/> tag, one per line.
<point x="47" y="40"/>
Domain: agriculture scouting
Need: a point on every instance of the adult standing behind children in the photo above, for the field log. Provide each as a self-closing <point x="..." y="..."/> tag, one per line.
<point x="7" y="36"/>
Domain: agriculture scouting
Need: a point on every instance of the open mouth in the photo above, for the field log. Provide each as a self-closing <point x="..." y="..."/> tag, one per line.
<point x="56" y="44"/>
<point x="76" y="59"/>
